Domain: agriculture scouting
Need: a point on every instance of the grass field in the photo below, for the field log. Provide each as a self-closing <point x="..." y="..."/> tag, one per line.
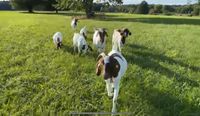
<point x="163" y="76"/>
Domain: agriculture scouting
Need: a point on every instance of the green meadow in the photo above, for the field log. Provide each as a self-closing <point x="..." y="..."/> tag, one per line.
<point x="163" y="76"/>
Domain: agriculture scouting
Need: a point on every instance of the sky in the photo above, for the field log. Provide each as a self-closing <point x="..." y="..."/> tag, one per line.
<point x="168" y="2"/>
<point x="164" y="2"/>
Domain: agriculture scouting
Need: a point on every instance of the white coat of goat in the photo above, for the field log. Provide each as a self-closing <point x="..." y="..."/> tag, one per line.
<point x="99" y="39"/>
<point x="119" y="38"/>
<point x="80" y="43"/>
<point x="83" y="31"/>
<point x="112" y="66"/>
<point x="57" y="39"/>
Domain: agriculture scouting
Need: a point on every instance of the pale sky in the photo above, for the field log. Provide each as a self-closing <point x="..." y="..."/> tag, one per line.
<point x="169" y="2"/>
<point x="165" y="2"/>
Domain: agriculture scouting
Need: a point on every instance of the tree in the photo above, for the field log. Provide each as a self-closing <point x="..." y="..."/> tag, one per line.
<point x="86" y="5"/>
<point x="167" y="9"/>
<point x="158" y="8"/>
<point x="196" y="10"/>
<point x="143" y="8"/>
<point x="25" y="4"/>
<point x="49" y="4"/>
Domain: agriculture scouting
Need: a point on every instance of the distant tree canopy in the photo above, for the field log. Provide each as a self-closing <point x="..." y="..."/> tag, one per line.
<point x="86" y="5"/>
<point x="89" y="7"/>
<point x="30" y="4"/>
<point x="5" y="5"/>
<point x="143" y="8"/>
<point x="25" y="4"/>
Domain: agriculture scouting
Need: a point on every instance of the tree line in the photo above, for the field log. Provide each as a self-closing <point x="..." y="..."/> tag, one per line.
<point x="89" y="7"/>
<point x="83" y="5"/>
<point x="145" y="8"/>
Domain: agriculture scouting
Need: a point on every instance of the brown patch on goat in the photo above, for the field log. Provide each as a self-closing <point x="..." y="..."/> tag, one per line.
<point x="124" y="33"/>
<point x="110" y="69"/>
<point x="102" y="34"/>
<point x="99" y="66"/>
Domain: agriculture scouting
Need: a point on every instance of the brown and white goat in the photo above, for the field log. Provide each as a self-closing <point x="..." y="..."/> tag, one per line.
<point x="119" y="38"/>
<point x="112" y="66"/>
<point x="99" y="39"/>
<point x="74" y="23"/>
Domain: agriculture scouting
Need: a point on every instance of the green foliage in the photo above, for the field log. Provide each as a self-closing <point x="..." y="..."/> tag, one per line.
<point x="143" y="8"/>
<point x="37" y="79"/>
<point x="31" y="5"/>
<point x="196" y="11"/>
<point x="185" y="9"/>
<point x="157" y="8"/>
<point x="86" y="5"/>
<point x="167" y="8"/>
<point x="25" y="4"/>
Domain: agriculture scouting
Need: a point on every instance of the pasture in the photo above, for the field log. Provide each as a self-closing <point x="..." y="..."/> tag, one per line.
<point x="163" y="76"/>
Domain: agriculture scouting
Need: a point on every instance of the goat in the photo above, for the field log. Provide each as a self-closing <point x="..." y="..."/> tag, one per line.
<point x="57" y="39"/>
<point x="112" y="66"/>
<point x="99" y="39"/>
<point x="74" y="23"/>
<point x="119" y="38"/>
<point x="83" y="31"/>
<point x="80" y="43"/>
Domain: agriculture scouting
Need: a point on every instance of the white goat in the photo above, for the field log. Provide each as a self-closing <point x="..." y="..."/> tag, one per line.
<point x="112" y="66"/>
<point x="99" y="39"/>
<point x="83" y="31"/>
<point x="119" y="38"/>
<point x="57" y="39"/>
<point x="80" y="43"/>
<point x="74" y="23"/>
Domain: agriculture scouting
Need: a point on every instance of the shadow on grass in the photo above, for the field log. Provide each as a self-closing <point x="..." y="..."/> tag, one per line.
<point x="108" y="17"/>
<point x="70" y="49"/>
<point x="168" y="104"/>
<point x="148" y="59"/>
<point x="159" y="20"/>
<point x="67" y="49"/>
<point x="54" y="13"/>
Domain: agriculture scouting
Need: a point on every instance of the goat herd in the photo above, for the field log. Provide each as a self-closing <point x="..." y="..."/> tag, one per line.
<point x="111" y="66"/>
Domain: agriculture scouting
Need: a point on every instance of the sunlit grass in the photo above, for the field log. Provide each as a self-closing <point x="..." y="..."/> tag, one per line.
<point x="163" y="57"/>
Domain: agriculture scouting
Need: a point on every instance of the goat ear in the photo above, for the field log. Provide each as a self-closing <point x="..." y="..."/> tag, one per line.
<point x="98" y="69"/>
<point x="127" y="30"/>
<point x="102" y="55"/>
<point x="120" y="31"/>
